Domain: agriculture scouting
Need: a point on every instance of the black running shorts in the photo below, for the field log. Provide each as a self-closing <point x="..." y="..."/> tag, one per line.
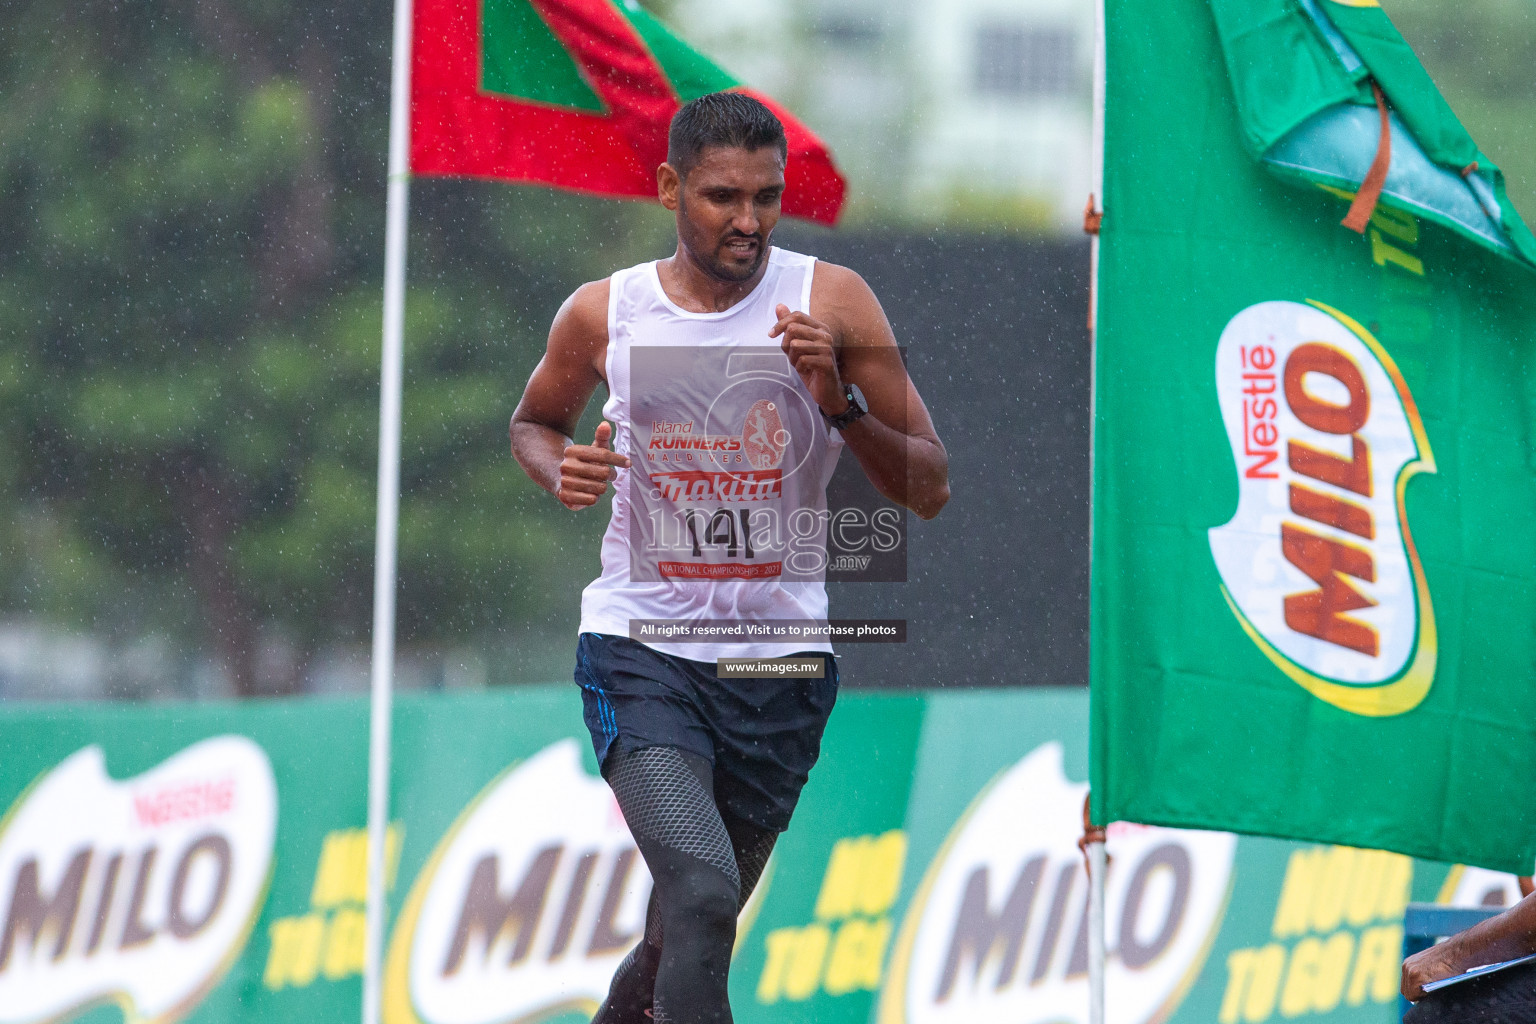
<point x="761" y="734"/>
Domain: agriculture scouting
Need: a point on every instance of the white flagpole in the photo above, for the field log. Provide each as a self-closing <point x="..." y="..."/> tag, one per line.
<point x="386" y="532"/>
<point x="1096" y="202"/>
<point x="1097" y="861"/>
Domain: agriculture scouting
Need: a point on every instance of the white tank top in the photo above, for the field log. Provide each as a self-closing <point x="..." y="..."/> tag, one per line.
<point x="722" y="518"/>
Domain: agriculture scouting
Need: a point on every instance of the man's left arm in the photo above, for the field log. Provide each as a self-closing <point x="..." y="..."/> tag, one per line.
<point x="849" y="340"/>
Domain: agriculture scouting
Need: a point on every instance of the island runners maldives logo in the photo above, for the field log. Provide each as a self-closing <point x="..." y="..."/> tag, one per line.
<point x="1318" y="564"/>
<point x="998" y="928"/>
<point x="746" y="464"/>
<point x="527" y="905"/>
<point x="745" y="468"/>
<point x="140" y="893"/>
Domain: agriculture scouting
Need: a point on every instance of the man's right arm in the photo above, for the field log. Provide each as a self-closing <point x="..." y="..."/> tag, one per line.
<point x="553" y="401"/>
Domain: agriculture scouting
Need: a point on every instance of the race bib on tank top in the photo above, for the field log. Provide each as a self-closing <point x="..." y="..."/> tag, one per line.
<point x="728" y="481"/>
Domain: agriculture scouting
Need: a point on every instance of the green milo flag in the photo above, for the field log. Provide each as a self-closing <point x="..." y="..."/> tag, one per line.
<point x="1314" y="547"/>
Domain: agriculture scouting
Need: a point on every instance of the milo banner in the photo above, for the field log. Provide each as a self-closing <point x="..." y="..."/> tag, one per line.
<point x="206" y="864"/>
<point x="1314" y="565"/>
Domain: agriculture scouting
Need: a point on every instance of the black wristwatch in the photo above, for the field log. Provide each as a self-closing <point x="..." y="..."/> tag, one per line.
<point x="849" y="415"/>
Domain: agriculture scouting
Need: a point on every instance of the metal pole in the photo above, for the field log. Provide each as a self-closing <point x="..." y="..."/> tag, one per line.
<point x="1096" y="166"/>
<point x="381" y="686"/>
<point x="1097" y="861"/>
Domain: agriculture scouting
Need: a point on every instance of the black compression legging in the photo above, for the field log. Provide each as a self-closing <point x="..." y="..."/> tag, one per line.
<point x="704" y="866"/>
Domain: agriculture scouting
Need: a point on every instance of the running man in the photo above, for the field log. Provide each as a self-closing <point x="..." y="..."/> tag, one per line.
<point x="709" y="525"/>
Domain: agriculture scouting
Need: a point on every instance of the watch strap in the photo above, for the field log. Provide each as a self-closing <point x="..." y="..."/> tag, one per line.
<point x="849" y="415"/>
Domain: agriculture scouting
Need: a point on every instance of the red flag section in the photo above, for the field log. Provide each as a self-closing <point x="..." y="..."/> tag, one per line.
<point x="574" y="94"/>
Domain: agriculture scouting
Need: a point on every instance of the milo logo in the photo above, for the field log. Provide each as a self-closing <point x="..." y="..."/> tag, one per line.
<point x="139" y="893"/>
<point x="527" y="905"/>
<point x="998" y="928"/>
<point x="1318" y="564"/>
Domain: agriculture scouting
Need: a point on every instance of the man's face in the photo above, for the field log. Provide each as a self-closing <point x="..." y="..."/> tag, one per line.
<point x="727" y="207"/>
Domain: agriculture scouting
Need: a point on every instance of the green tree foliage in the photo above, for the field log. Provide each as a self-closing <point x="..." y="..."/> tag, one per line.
<point x="191" y="215"/>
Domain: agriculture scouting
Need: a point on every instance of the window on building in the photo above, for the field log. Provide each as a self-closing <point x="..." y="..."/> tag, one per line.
<point x="846" y="31"/>
<point x="1019" y="60"/>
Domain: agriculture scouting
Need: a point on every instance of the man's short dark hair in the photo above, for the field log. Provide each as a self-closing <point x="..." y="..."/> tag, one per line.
<point x="728" y="119"/>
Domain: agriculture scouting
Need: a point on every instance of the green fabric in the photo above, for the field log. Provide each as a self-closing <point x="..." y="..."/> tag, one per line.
<point x="1429" y="117"/>
<point x="1197" y="721"/>
<point x="1281" y="69"/>
<point x="1299" y="68"/>
<point x="1413" y="94"/>
<point x="521" y="58"/>
<point x="691" y="73"/>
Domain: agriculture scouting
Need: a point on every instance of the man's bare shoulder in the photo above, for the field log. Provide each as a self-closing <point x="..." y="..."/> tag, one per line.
<point x="579" y="335"/>
<point x="584" y="316"/>
<point x="844" y="300"/>
<point x="835" y="281"/>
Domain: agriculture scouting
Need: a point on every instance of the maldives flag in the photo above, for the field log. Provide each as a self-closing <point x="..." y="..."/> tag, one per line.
<point x="576" y="94"/>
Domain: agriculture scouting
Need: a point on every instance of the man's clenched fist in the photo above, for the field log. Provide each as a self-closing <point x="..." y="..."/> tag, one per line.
<point x="808" y="344"/>
<point x="587" y="468"/>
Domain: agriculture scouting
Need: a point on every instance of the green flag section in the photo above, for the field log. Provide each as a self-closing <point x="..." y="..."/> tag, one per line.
<point x="1302" y="73"/>
<point x="1314" y="526"/>
<point x="575" y="94"/>
<point x="206" y="864"/>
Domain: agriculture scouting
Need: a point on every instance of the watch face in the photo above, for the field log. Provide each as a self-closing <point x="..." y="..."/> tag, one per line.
<point x="848" y="415"/>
